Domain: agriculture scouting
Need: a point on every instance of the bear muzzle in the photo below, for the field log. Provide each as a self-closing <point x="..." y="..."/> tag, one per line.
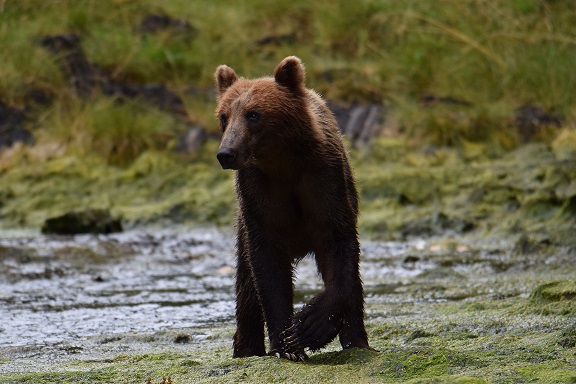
<point x="227" y="157"/>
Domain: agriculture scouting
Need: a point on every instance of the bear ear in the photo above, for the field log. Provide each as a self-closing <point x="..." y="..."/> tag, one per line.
<point x="225" y="77"/>
<point x="290" y="74"/>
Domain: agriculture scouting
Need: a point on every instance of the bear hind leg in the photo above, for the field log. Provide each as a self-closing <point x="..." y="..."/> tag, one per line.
<point x="353" y="333"/>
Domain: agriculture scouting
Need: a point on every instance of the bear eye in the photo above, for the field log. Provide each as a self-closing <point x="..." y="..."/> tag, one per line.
<point x="223" y="121"/>
<point x="252" y="115"/>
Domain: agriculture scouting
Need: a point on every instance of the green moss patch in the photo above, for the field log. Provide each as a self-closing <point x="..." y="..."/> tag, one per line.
<point x="556" y="297"/>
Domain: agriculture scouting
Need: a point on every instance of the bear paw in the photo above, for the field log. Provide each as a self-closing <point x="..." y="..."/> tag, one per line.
<point x="312" y="328"/>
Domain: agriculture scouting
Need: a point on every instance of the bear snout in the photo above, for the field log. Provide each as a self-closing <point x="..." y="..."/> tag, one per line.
<point x="227" y="158"/>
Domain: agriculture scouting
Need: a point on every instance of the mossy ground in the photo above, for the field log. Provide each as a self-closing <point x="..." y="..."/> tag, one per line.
<point x="488" y="341"/>
<point x="480" y="311"/>
<point x="408" y="192"/>
<point x="404" y="192"/>
<point x="156" y="186"/>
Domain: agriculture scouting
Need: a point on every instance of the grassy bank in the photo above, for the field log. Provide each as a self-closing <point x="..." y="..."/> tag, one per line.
<point x="494" y="56"/>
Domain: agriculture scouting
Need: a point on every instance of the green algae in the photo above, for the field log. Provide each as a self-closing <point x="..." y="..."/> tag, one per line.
<point x="155" y="186"/>
<point x="555" y="297"/>
<point x="526" y="191"/>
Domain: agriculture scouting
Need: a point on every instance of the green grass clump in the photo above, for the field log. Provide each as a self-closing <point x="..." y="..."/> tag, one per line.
<point x="117" y="131"/>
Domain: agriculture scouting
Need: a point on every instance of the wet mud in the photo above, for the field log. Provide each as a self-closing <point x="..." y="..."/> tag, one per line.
<point x="58" y="289"/>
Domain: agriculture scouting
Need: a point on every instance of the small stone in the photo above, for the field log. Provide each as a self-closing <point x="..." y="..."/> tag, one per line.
<point x="183" y="339"/>
<point x="226" y="270"/>
<point x="98" y="221"/>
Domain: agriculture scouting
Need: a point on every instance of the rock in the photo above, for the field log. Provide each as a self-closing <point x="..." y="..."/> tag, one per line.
<point x="11" y="127"/>
<point x="81" y="74"/>
<point x="97" y="221"/>
<point x="37" y="97"/>
<point x="154" y="94"/>
<point x="530" y="119"/>
<point x="288" y="38"/>
<point x="191" y="141"/>
<point x="183" y="339"/>
<point x="153" y="23"/>
<point x="86" y="77"/>
<point x="429" y="100"/>
<point x="226" y="270"/>
<point x="360" y="123"/>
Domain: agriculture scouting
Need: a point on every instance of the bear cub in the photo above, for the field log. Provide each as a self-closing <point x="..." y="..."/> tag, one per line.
<point x="296" y="197"/>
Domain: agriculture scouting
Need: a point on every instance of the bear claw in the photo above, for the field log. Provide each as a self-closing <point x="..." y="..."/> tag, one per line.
<point x="298" y="356"/>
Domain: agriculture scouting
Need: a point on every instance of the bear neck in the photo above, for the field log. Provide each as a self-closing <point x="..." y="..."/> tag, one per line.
<point x="301" y="156"/>
<point x="282" y="170"/>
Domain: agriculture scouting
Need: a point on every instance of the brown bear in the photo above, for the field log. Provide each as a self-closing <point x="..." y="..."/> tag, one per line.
<point x="296" y="197"/>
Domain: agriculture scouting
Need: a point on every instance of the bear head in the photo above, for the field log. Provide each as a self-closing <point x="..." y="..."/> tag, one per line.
<point x="261" y="118"/>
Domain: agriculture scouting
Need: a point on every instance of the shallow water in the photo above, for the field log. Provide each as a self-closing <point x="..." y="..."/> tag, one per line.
<point x="57" y="290"/>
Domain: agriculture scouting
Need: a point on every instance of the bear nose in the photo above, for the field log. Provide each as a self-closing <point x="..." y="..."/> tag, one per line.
<point x="227" y="157"/>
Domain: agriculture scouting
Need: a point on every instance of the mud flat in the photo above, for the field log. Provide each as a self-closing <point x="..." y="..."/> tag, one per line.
<point x="155" y="303"/>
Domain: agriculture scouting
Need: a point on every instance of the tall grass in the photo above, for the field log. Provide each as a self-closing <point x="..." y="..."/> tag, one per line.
<point x="119" y="132"/>
<point x="496" y="54"/>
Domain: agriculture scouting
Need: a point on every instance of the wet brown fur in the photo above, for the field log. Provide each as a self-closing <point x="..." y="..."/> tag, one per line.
<point x="296" y="196"/>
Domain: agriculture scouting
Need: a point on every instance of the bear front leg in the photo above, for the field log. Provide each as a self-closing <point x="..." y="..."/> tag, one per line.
<point x="339" y="309"/>
<point x="249" y="336"/>
<point x="272" y="272"/>
<point x="317" y="323"/>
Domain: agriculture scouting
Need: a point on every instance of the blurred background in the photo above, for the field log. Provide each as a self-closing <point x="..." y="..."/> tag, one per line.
<point x="460" y="115"/>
